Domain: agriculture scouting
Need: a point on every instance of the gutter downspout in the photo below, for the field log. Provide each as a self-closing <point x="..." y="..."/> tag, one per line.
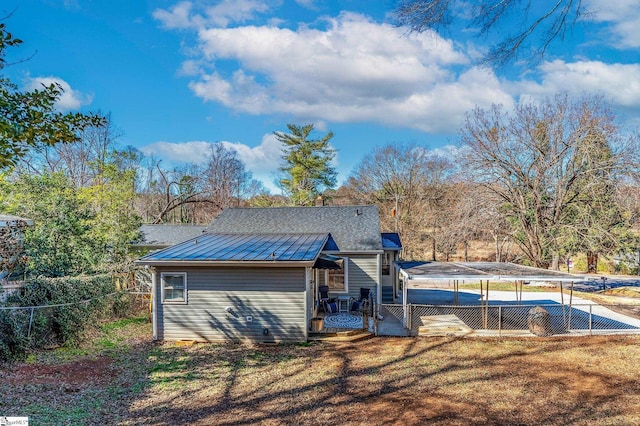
<point x="307" y="309"/>
<point x="154" y="303"/>
<point x="379" y="279"/>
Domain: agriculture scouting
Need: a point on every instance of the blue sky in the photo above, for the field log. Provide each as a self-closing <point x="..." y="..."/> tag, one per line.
<point x="178" y="75"/>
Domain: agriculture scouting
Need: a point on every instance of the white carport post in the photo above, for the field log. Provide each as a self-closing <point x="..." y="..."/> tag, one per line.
<point x="405" y="293"/>
<point x="570" y="304"/>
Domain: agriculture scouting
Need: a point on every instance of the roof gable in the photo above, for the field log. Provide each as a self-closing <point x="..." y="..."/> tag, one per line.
<point x="353" y="228"/>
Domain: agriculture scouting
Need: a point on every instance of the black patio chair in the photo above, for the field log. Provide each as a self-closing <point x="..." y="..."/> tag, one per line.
<point x="328" y="304"/>
<point x="361" y="303"/>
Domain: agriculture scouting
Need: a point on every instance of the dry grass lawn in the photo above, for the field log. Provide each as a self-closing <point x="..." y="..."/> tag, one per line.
<point x="582" y="380"/>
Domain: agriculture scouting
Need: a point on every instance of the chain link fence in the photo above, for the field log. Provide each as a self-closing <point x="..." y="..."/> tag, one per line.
<point x="25" y="328"/>
<point x="499" y="320"/>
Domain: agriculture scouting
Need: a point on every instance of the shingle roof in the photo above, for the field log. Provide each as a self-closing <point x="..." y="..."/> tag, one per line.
<point x="168" y="235"/>
<point x="243" y="247"/>
<point x="391" y="241"/>
<point x="4" y="218"/>
<point x="354" y="228"/>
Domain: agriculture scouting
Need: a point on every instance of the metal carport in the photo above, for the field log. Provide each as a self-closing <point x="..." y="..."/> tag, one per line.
<point x="481" y="271"/>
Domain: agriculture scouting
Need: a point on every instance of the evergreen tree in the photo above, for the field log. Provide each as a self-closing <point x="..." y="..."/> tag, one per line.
<point x="306" y="164"/>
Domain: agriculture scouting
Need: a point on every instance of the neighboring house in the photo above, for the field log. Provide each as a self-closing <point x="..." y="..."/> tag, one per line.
<point x="11" y="238"/>
<point x="154" y="237"/>
<point x="254" y="275"/>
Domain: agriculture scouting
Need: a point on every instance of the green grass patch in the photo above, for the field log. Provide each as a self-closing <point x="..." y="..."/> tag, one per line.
<point x="123" y="323"/>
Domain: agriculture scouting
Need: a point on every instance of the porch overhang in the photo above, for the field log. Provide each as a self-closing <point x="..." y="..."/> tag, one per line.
<point x="328" y="261"/>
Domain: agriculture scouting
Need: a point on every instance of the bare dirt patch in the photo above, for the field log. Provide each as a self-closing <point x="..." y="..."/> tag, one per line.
<point x="78" y="373"/>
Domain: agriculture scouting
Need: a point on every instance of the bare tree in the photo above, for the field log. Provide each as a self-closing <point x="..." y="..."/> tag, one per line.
<point x="544" y="22"/>
<point x="407" y="183"/>
<point x="81" y="160"/>
<point x="197" y="194"/>
<point x="553" y="167"/>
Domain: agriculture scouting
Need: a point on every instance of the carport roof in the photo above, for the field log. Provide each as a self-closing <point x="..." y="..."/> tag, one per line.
<point x="496" y="271"/>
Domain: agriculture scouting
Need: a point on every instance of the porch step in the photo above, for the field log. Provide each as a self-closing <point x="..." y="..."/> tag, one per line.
<point x="341" y="336"/>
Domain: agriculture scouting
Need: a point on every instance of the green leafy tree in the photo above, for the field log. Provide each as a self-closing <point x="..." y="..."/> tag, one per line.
<point x="114" y="223"/>
<point x="29" y="119"/>
<point x="59" y="243"/>
<point x="76" y="230"/>
<point x="306" y="164"/>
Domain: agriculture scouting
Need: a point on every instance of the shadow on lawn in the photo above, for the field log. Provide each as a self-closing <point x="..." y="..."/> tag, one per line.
<point x="382" y="381"/>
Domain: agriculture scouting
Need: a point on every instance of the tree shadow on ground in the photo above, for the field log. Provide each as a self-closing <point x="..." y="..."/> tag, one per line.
<point x="389" y="380"/>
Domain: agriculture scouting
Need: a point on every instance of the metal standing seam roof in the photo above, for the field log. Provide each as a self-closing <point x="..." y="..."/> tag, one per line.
<point x="243" y="247"/>
<point x="391" y="241"/>
<point x="353" y="228"/>
<point x="497" y="271"/>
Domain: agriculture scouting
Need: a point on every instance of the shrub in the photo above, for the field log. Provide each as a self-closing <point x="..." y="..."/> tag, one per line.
<point x="84" y="300"/>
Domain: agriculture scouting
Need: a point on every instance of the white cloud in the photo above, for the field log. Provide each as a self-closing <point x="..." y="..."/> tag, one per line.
<point x="179" y="153"/>
<point x="228" y="11"/>
<point x="183" y="15"/>
<point x="69" y="99"/>
<point x="623" y="17"/>
<point x="309" y="4"/>
<point x="178" y="17"/>
<point x="618" y="83"/>
<point x="354" y="70"/>
<point x="261" y="160"/>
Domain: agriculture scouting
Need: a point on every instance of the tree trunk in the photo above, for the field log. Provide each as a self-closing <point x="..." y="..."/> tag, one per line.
<point x="555" y="263"/>
<point x="592" y="263"/>
<point x="433" y="249"/>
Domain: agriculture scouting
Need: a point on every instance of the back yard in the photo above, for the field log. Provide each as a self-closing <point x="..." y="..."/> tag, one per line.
<point x="118" y="376"/>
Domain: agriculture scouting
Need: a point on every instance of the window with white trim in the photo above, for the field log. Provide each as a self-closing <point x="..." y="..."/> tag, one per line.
<point x="338" y="279"/>
<point x="174" y="287"/>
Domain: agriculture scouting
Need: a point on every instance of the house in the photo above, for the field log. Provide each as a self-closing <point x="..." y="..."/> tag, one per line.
<point x="159" y="236"/>
<point x="11" y="239"/>
<point x="154" y="237"/>
<point x="254" y="274"/>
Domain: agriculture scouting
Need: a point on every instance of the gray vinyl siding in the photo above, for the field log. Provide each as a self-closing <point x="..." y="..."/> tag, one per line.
<point x="363" y="272"/>
<point x="274" y="298"/>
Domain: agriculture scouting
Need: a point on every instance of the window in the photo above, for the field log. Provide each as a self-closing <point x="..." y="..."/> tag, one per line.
<point x="174" y="287"/>
<point x="337" y="279"/>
